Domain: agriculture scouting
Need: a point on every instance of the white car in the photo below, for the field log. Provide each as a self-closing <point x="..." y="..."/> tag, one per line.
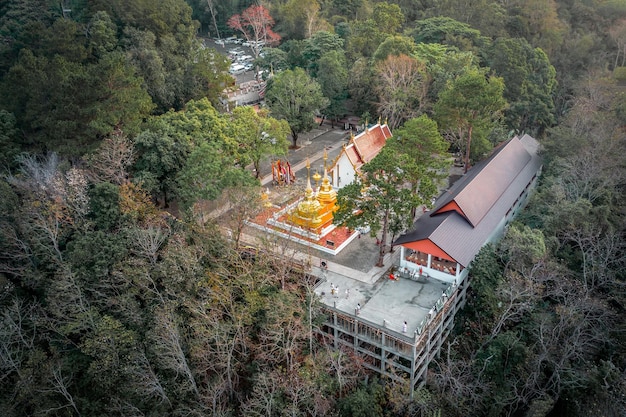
<point x="237" y="69"/>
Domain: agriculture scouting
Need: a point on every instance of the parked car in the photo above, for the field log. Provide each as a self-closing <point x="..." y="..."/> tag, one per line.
<point x="248" y="66"/>
<point x="237" y="69"/>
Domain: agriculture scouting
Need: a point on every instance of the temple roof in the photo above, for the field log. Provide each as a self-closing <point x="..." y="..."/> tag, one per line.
<point x="367" y="144"/>
<point x="466" y="216"/>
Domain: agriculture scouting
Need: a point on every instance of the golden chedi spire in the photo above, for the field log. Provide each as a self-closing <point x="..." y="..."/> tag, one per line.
<point x="307" y="212"/>
<point x="326" y="194"/>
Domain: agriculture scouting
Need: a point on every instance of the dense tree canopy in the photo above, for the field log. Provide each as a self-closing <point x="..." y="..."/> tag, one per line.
<point x="110" y="109"/>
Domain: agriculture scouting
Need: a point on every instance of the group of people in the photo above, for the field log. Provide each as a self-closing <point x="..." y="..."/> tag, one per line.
<point x="412" y="273"/>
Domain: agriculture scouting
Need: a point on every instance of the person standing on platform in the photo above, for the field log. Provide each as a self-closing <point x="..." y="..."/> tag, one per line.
<point x="404" y="326"/>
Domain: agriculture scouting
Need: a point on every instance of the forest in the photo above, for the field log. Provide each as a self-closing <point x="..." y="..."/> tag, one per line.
<point x="119" y="297"/>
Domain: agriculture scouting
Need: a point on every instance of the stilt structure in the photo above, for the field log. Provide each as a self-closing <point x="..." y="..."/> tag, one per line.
<point x="393" y="353"/>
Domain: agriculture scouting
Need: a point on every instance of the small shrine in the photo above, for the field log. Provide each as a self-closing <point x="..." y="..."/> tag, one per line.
<point x="282" y="174"/>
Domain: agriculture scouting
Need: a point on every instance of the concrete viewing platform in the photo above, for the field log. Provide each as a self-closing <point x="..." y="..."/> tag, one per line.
<point x="386" y="303"/>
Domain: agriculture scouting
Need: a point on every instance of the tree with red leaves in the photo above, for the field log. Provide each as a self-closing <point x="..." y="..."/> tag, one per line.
<point x="256" y="25"/>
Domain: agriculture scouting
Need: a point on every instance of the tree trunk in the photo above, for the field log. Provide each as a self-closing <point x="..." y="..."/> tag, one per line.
<point x="383" y="241"/>
<point x="467" y="150"/>
<point x="294" y="138"/>
<point x="212" y="10"/>
<point x="257" y="174"/>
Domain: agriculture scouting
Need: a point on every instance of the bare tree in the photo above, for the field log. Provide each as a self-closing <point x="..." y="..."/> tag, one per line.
<point x="281" y="338"/>
<point x="113" y="158"/>
<point x="211" y="6"/>
<point x="167" y="342"/>
<point x="264" y="398"/>
<point x="402" y="88"/>
<point x="18" y="332"/>
<point x="60" y="384"/>
<point x="147" y="242"/>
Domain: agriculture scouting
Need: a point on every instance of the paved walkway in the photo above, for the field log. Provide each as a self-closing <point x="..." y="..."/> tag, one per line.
<point x="311" y="146"/>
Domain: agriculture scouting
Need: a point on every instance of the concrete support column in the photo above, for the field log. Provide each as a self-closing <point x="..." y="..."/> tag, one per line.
<point x="413" y="381"/>
<point x="335" y="331"/>
<point x="383" y="353"/>
<point x="430" y="258"/>
<point x="356" y="334"/>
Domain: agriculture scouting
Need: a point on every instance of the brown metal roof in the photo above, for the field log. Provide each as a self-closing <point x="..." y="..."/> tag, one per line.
<point x="485" y="194"/>
<point x="481" y="189"/>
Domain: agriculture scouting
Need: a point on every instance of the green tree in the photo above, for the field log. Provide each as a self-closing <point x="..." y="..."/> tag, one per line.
<point x="320" y="43"/>
<point x="445" y="63"/>
<point x="365" y="37"/>
<point x="447" y="31"/>
<point x="530" y="83"/>
<point x="273" y="59"/>
<point x="295" y="97"/>
<point x="163" y="149"/>
<point x="8" y="133"/>
<point x="469" y="107"/>
<point x="160" y="156"/>
<point x="394" y="45"/>
<point x="388" y="17"/>
<point x="380" y="199"/>
<point x="487" y="16"/>
<point x="426" y="149"/>
<point x="361" y="77"/>
<point x="301" y="19"/>
<point x="259" y="135"/>
<point x="538" y="21"/>
<point x="334" y="83"/>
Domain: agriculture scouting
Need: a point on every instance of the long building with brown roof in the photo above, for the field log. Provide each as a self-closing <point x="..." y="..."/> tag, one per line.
<point x="472" y="213"/>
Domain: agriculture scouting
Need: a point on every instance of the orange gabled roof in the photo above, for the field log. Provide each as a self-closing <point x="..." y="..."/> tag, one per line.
<point x="451" y="206"/>
<point x="353" y="156"/>
<point x="366" y="145"/>
<point x="427" y="246"/>
<point x="371" y="141"/>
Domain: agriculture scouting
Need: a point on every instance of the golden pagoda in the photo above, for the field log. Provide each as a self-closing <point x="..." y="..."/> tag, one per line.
<point x="327" y="196"/>
<point x="306" y="215"/>
<point x="315" y="212"/>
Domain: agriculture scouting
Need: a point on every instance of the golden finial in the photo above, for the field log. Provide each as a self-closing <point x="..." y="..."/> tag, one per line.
<point x="378" y="119"/>
<point x="385" y="121"/>
<point x="309" y="189"/>
<point x="317" y="177"/>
